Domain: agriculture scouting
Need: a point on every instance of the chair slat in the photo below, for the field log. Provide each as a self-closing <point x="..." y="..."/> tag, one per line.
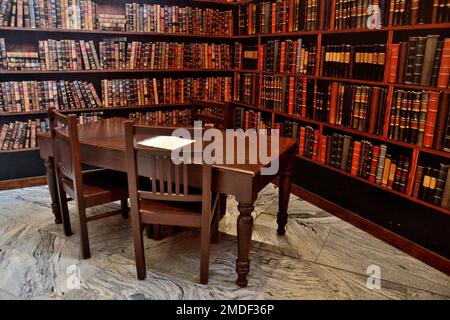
<point x="177" y="179"/>
<point x="185" y="179"/>
<point x="153" y="173"/>
<point x="169" y="176"/>
<point x="161" y="174"/>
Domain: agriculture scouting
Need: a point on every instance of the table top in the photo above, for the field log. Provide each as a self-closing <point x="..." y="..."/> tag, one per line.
<point x="109" y="134"/>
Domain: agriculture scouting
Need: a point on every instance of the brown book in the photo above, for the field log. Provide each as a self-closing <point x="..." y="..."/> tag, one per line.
<point x="414" y="11"/>
<point x="419" y="59"/>
<point x="437" y="63"/>
<point x="444" y="70"/>
<point x="334" y="98"/>
<point x="411" y="60"/>
<point x="441" y="122"/>
<point x="445" y="203"/>
<point x="418" y="181"/>
<point x="402" y="60"/>
<point x="428" y="60"/>
<point x="435" y="11"/>
<point x="346" y="152"/>
<point x="374" y="108"/>
<point x="431" y="119"/>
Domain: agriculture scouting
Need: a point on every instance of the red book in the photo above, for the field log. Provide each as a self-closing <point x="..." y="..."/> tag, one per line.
<point x="294" y="57"/>
<point x="304" y="97"/>
<point x="274" y="17"/>
<point x="355" y="158"/>
<point x="374" y="163"/>
<point x="291" y="95"/>
<point x="260" y="57"/>
<point x="282" y="56"/>
<point x="395" y="50"/>
<point x="316" y="145"/>
<point x="323" y="149"/>
<point x="284" y="16"/>
<point x="334" y="99"/>
<point x="301" y="142"/>
<point x="430" y="121"/>
<point x="444" y="70"/>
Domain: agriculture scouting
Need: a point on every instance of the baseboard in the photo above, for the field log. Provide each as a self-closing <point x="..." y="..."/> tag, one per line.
<point x="22" y="183"/>
<point x="413" y="249"/>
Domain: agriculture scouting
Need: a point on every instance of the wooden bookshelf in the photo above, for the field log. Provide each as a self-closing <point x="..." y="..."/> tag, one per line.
<point x="391" y="33"/>
<point x="109" y="71"/>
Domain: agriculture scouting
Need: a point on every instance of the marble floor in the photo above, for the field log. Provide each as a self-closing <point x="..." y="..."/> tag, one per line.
<point x="321" y="257"/>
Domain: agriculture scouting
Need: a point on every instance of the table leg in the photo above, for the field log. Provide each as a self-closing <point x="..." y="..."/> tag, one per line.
<point x="284" y="194"/>
<point x="53" y="188"/>
<point x="244" y="235"/>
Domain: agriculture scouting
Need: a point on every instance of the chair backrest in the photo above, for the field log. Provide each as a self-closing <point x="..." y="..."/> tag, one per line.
<point x="168" y="181"/>
<point x="66" y="146"/>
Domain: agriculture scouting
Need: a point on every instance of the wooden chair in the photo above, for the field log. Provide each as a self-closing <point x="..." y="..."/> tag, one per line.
<point x="169" y="200"/>
<point x="88" y="189"/>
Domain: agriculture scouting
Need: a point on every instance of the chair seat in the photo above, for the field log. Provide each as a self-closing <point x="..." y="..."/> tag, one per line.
<point x="102" y="186"/>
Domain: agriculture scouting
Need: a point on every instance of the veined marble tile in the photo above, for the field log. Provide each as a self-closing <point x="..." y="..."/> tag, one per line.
<point x="4" y="295"/>
<point x="355" y="250"/>
<point x="304" y="238"/>
<point x="37" y="263"/>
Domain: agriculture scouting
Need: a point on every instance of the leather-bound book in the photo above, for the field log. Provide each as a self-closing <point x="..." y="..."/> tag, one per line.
<point x="446" y="145"/>
<point x="436" y="63"/>
<point x="374" y="163"/>
<point x="374" y="109"/>
<point x="445" y="203"/>
<point x="418" y="181"/>
<point x="395" y="50"/>
<point x="441" y="122"/>
<point x="444" y="69"/>
<point x="431" y="119"/>
<point x="428" y="60"/>
<point x="334" y="101"/>
<point x="381" y="163"/>
<point x="433" y="185"/>
<point x="411" y="59"/>
<point x="435" y="11"/>
<point x="345" y="152"/>
<point x="329" y="150"/>
<point x="419" y="59"/>
<point x="355" y="158"/>
<point x="392" y="174"/>
<point x="386" y="170"/>
<point x="424" y="98"/>
<point x="442" y="176"/>
<point x="402" y="61"/>
<point x="414" y="11"/>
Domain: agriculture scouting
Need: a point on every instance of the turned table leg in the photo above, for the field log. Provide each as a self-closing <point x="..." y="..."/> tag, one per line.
<point x="284" y="194"/>
<point x="244" y="233"/>
<point x="52" y="187"/>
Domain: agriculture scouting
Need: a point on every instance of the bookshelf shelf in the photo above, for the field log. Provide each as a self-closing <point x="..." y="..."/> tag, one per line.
<point x="158" y="106"/>
<point x="403" y="195"/>
<point x="410" y="146"/>
<point x="106" y="71"/>
<point x="116" y="33"/>
<point x="19" y="150"/>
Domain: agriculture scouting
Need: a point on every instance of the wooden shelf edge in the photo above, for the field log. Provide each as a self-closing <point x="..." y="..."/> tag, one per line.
<point x="22" y="183"/>
<point x="38" y="72"/>
<point x="19" y="150"/>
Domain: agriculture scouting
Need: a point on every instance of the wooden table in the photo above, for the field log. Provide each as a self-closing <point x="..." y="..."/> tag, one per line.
<point x="103" y="145"/>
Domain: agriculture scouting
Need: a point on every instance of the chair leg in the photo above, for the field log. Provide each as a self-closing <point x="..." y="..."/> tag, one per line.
<point x="84" y="236"/>
<point x="124" y="207"/>
<point x="149" y="231"/>
<point x="204" y="259"/>
<point x="157" y="232"/>
<point x="65" y="214"/>
<point x="215" y="229"/>
<point x="139" y="248"/>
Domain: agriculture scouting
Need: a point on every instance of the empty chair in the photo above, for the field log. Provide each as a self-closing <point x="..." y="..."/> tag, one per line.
<point x="88" y="189"/>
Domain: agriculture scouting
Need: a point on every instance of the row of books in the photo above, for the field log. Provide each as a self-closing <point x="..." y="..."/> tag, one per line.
<point x="421" y="118"/>
<point x="433" y="185"/>
<point x="21" y="135"/>
<point x="138" y="55"/>
<point x="82" y="55"/>
<point x="421" y="61"/>
<point x="82" y="15"/>
<point x="61" y="14"/>
<point x="175" y="117"/>
<point x="25" y="96"/>
<point x="247" y="88"/>
<point x="352" y="106"/>
<point x="412" y="12"/>
<point x="365" y="62"/>
<point x="279" y="16"/>
<point x="144" y="92"/>
<point x="288" y="56"/>
<point x="175" y="19"/>
<point x="248" y="119"/>
<point x="357" y="14"/>
<point x="213" y="112"/>
<point x="359" y="158"/>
